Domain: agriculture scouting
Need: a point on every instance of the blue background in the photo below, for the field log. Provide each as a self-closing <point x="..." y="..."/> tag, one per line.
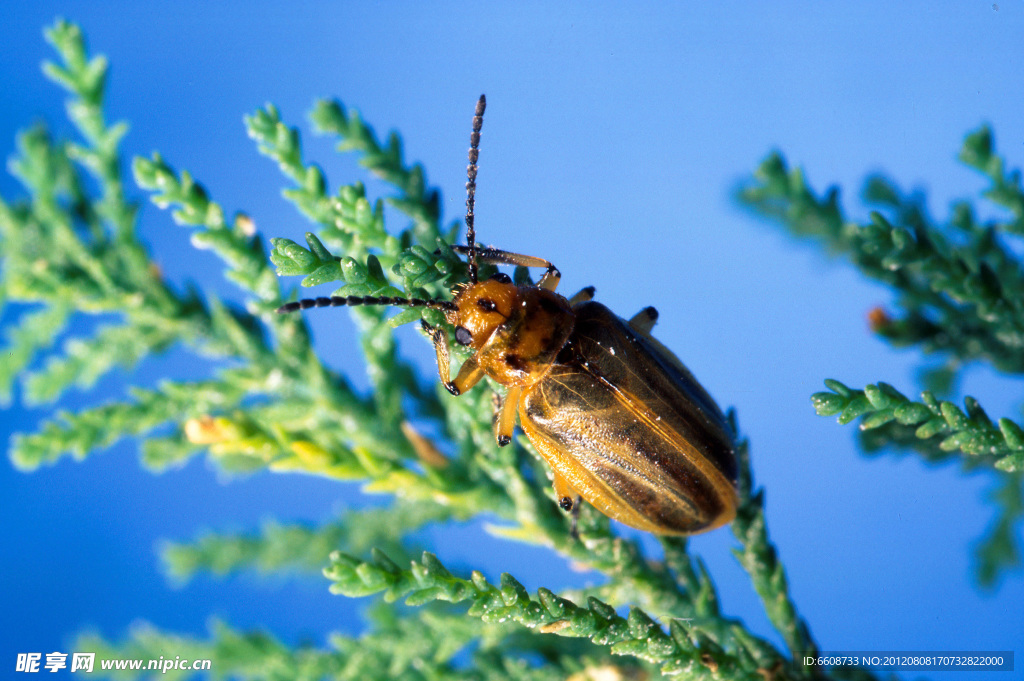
<point x="613" y="140"/>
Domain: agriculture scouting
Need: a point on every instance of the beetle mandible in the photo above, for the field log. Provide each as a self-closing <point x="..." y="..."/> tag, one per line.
<point x="619" y="419"/>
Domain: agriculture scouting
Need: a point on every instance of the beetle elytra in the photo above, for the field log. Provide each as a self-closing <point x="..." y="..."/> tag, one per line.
<point x="619" y="419"/>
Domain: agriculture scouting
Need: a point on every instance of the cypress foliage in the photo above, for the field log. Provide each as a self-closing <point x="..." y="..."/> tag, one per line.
<point x="959" y="289"/>
<point x="72" y="248"/>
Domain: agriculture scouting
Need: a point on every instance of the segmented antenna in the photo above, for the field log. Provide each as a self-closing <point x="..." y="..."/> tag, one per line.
<point x="352" y="301"/>
<point x="474" y="154"/>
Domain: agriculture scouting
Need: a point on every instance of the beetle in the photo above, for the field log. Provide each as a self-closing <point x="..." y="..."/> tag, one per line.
<point x="619" y="419"/>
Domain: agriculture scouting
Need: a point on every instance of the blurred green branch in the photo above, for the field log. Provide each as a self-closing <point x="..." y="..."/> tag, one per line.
<point x="959" y="288"/>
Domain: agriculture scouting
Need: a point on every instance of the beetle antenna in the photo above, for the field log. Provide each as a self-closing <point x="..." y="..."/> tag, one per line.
<point x="474" y="154"/>
<point x="352" y="301"/>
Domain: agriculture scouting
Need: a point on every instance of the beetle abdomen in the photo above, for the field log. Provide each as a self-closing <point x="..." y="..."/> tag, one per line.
<point x="635" y="436"/>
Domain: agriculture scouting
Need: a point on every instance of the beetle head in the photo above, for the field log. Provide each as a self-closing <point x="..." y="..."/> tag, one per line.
<point x="481" y="308"/>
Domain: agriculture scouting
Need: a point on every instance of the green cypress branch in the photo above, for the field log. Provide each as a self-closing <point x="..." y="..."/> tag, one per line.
<point x="86" y="78"/>
<point x="937" y="430"/>
<point x="678" y="592"/>
<point x="960" y="286"/>
<point x="237" y="244"/>
<point x="34" y="333"/>
<point x="161" y="453"/>
<point x="91" y="429"/>
<point x="64" y="245"/>
<point x="278" y="547"/>
<point x="352" y="226"/>
<point x="425" y="649"/>
<point x="759" y="558"/>
<point x="960" y="297"/>
<point x="638" y="635"/>
<point x="86" y="360"/>
<point x="420" y="202"/>
<point x="50" y="252"/>
<point x="346" y="216"/>
<point x="156" y="316"/>
<point x="970" y="431"/>
<point x="978" y="152"/>
<point x="999" y="550"/>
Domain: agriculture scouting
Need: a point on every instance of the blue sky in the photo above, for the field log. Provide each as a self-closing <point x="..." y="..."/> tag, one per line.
<point x="613" y="139"/>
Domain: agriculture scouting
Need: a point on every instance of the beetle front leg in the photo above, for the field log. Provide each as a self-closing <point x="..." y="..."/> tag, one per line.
<point x="550" y="279"/>
<point x="495" y="256"/>
<point x="506" y="421"/>
<point x="469" y="374"/>
<point x="444" y="359"/>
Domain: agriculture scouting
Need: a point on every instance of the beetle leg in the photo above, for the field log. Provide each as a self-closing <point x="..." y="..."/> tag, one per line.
<point x="444" y="360"/>
<point x="469" y="374"/>
<point x="643" y="321"/>
<point x="583" y="296"/>
<point x="496" y="403"/>
<point x="506" y="422"/>
<point x="496" y="256"/>
<point x="550" y="279"/>
<point x="569" y="501"/>
<point x="564" y="494"/>
<point x="574" y="528"/>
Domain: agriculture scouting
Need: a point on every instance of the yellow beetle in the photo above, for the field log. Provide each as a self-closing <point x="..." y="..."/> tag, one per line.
<point x="618" y="418"/>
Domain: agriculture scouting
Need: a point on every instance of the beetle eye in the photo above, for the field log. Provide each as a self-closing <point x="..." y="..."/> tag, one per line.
<point x="463" y="336"/>
<point x="486" y="304"/>
<point x="501" y="277"/>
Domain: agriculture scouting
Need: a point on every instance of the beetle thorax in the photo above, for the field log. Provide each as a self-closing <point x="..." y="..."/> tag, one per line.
<point x="517" y="330"/>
